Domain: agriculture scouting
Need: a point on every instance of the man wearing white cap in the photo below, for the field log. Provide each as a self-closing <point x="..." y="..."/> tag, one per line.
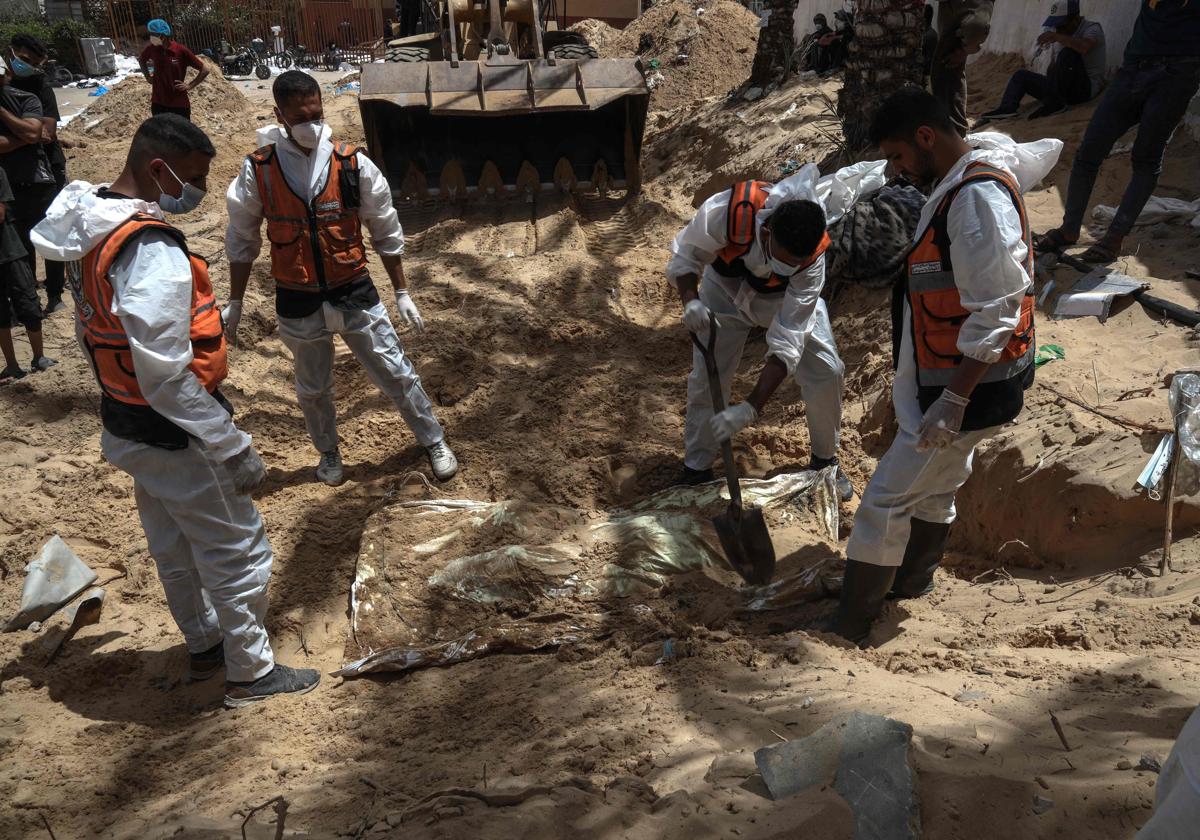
<point x="165" y="63"/>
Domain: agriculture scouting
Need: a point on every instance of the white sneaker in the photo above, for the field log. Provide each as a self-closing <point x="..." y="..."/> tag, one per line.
<point x="330" y="468"/>
<point x="444" y="464"/>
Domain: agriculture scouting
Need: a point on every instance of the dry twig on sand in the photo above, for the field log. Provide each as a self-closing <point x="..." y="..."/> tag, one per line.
<point x="281" y="807"/>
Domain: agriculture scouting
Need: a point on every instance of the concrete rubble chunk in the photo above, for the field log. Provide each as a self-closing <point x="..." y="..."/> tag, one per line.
<point x="790" y="767"/>
<point x="865" y="757"/>
<point x="731" y="769"/>
<point x="875" y="778"/>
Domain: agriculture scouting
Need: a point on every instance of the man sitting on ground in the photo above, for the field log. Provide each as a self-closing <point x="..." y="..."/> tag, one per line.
<point x="1151" y="90"/>
<point x="1076" y="72"/>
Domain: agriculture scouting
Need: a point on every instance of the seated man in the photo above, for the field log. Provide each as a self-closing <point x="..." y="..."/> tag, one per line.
<point x="837" y="43"/>
<point x="1076" y="71"/>
<point x="818" y="56"/>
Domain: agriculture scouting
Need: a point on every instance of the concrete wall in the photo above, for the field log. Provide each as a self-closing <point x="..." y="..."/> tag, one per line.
<point x="21" y="8"/>
<point x="1015" y="23"/>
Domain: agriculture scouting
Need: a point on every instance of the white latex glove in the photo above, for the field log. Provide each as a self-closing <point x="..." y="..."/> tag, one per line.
<point x="231" y="316"/>
<point x="696" y="317"/>
<point x="409" y="316"/>
<point x="247" y="471"/>
<point x="731" y="421"/>
<point x="942" y="422"/>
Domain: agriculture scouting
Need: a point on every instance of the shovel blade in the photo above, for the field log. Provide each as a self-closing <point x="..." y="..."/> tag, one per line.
<point x="747" y="543"/>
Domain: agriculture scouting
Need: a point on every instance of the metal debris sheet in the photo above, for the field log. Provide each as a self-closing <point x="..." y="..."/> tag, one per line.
<point x="448" y="580"/>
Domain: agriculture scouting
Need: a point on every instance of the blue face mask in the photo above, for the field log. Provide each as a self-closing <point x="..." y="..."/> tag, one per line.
<point x="189" y="199"/>
<point x="22" y="69"/>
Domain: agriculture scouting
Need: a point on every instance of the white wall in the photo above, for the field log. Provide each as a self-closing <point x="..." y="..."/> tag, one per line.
<point x="1015" y="23"/>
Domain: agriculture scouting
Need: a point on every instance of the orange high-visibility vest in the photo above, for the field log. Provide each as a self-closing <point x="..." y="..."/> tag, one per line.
<point x="105" y="337"/>
<point x="314" y="245"/>
<point x="746" y="198"/>
<point x="936" y="307"/>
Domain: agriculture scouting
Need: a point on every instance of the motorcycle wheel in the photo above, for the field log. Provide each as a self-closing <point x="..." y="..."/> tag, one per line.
<point x="262" y="71"/>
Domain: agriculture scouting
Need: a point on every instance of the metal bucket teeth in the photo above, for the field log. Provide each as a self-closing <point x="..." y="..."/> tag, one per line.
<point x="600" y="178"/>
<point x="528" y="180"/>
<point x="414" y="185"/>
<point x="490" y="180"/>
<point x="453" y="183"/>
<point x="564" y="176"/>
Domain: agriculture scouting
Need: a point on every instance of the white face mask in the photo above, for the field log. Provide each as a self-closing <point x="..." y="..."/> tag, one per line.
<point x="306" y="135"/>
<point x="189" y="199"/>
<point x="778" y="267"/>
<point x="155" y="40"/>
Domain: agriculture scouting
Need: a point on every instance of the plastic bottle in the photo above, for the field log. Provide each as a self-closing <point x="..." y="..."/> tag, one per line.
<point x="150" y="68"/>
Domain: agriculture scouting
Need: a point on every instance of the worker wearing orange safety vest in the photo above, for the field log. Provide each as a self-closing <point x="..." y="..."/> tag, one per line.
<point x="148" y="323"/>
<point x="316" y="196"/>
<point x="754" y="256"/>
<point x="963" y="341"/>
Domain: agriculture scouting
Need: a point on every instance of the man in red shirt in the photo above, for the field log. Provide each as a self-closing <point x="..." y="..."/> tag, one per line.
<point x="165" y="63"/>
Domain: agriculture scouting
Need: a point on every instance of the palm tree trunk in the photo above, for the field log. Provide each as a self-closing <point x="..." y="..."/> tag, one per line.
<point x="884" y="56"/>
<point x="775" y="44"/>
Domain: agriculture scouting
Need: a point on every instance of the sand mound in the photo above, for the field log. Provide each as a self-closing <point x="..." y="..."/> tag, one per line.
<point x="217" y="106"/>
<point x="700" y="55"/>
<point x="596" y="32"/>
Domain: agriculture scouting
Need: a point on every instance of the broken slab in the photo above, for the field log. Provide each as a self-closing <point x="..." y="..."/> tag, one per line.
<point x="790" y="767"/>
<point x="52" y="581"/>
<point x="865" y="758"/>
<point x="874" y="776"/>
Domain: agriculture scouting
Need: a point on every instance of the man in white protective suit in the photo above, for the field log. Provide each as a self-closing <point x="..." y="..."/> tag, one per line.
<point x="754" y="256"/>
<point x="316" y="196"/>
<point x="963" y="344"/>
<point x="147" y="321"/>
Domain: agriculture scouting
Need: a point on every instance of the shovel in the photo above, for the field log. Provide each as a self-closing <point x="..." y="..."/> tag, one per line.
<point x="743" y="532"/>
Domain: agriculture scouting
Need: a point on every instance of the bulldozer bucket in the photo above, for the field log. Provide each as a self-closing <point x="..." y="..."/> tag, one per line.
<point x="437" y="128"/>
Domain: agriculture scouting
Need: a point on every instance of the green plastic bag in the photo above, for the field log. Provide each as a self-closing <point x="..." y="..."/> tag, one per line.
<point x="1048" y="353"/>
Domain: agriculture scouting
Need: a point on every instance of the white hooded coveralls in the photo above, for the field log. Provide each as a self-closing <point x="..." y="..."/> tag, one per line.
<point x="988" y="252"/>
<point x="208" y="542"/>
<point x="367" y="332"/>
<point x="797" y="323"/>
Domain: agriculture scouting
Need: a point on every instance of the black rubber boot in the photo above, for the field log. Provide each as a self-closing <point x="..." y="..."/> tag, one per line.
<point x="203" y="665"/>
<point x="691" y="477"/>
<point x="922" y="556"/>
<point x="864" y="589"/>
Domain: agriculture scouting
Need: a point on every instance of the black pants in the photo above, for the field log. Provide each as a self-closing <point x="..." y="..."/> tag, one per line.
<point x="1152" y="94"/>
<point x="156" y="109"/>
<point x="409" y="13"/>
<point x="18" y="297"/>
<point x="1065" y="83"/>
<point x="27" y="209"/>
<point x="56" y="272"/>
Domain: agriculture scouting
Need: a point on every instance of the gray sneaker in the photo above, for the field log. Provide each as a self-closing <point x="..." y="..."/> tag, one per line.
<point x="443" y="461"/>
<point x="330" y="468"/>
<point x="281" y="680"/>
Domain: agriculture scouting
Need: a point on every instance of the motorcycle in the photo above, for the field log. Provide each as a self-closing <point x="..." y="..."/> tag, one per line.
<point x="243" y="61"/>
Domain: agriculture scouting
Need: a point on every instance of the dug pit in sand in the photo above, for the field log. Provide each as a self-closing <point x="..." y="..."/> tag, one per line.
<point x="449" y="580"/>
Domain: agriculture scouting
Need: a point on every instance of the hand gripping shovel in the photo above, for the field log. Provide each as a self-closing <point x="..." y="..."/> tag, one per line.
<point x="743" y="532"/>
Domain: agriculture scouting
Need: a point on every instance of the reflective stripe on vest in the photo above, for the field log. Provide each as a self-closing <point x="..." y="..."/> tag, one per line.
<point x="746" y="198"/>
<point x="104" y="334"/>
<point x="935" y="306"/>
<point x="318" y="244"/>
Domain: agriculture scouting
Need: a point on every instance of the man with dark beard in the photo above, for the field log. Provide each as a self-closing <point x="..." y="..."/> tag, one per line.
<point x="963" y="348"/>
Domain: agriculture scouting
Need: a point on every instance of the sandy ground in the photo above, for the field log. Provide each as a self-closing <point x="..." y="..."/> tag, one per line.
<point x="556" y="359"/>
